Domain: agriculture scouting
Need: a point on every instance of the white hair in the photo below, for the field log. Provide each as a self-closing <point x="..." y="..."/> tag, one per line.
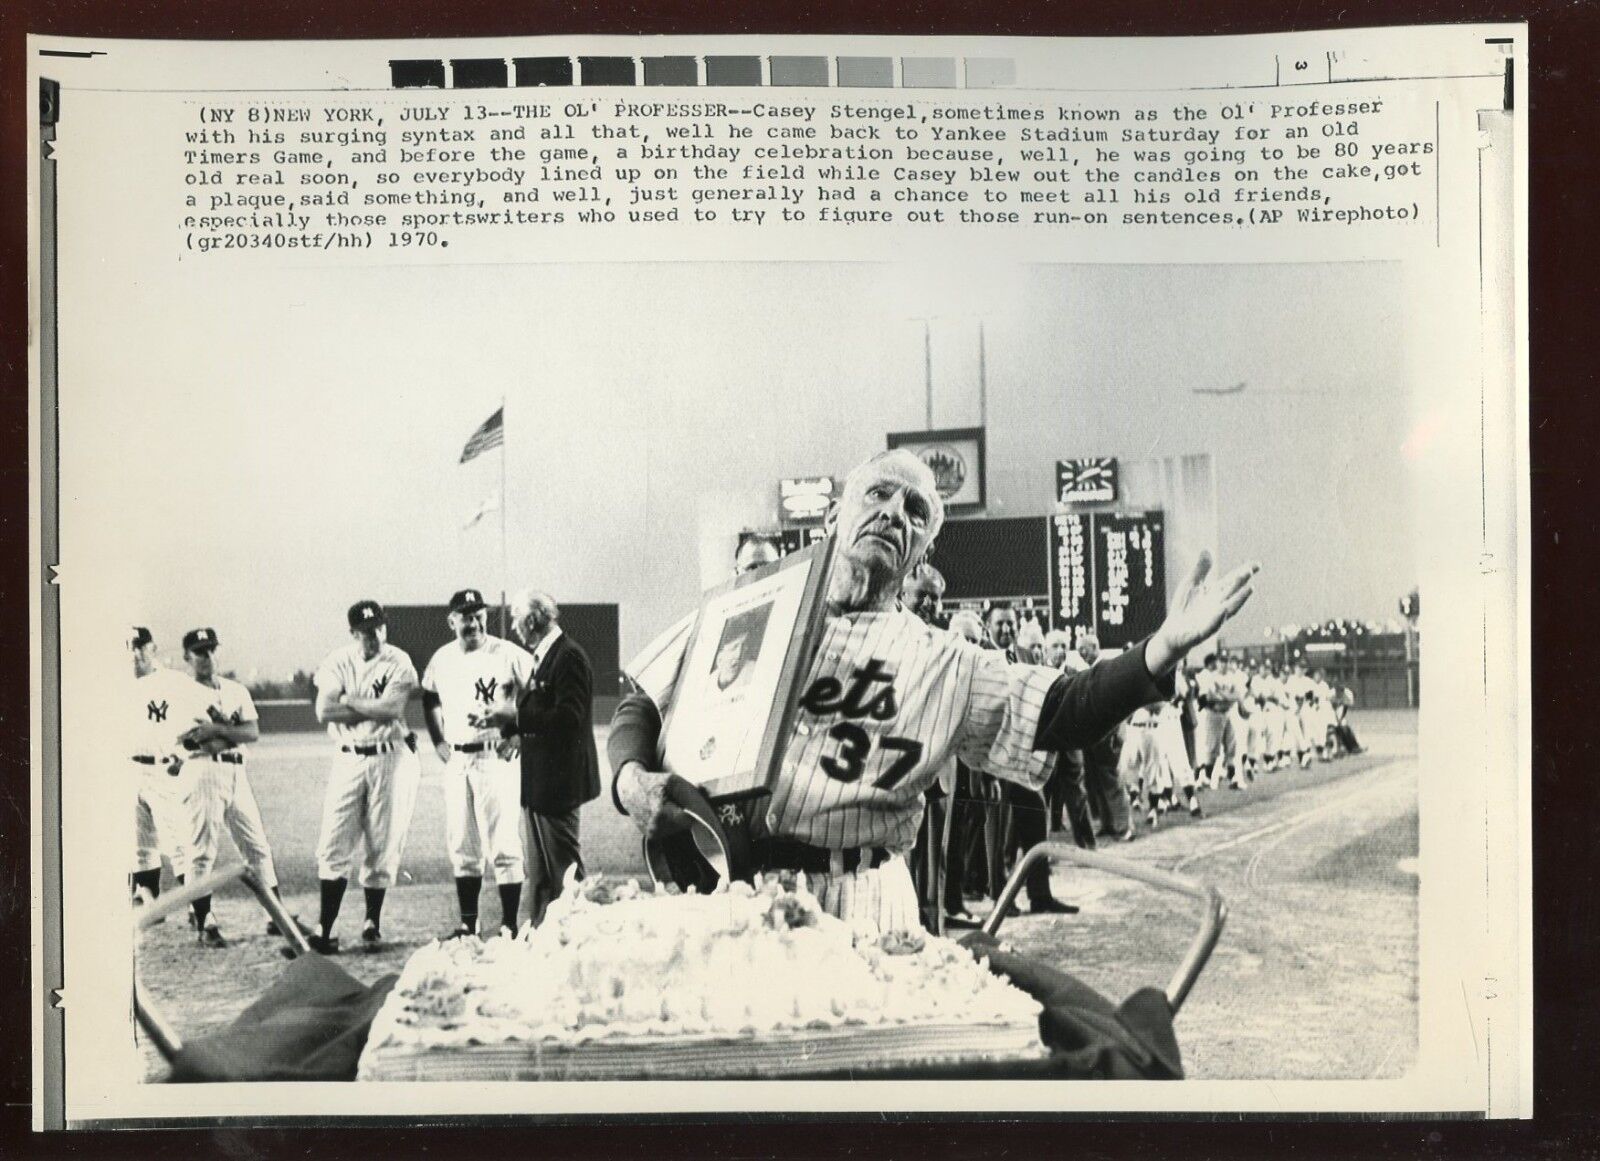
<point x="526" y="600"/>
<point x="970" y="619"/>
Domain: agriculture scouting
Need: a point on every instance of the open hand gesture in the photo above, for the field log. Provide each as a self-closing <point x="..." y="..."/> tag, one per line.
<point x="1202" y="605"/>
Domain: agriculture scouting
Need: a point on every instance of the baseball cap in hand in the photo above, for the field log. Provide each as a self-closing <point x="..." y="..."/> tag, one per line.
<point x="139" y="637"/>
<point x="366" y="615"/>
<point x="197" y="639"/>
<point x="467" y="601"/>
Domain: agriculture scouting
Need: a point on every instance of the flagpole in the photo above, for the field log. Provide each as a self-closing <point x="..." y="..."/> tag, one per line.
<point x="504" y="569"/>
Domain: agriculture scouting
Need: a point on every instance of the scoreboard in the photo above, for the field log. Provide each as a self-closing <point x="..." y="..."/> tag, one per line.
<point x="1108" y="574"/>
<point x="1100" y="572"/>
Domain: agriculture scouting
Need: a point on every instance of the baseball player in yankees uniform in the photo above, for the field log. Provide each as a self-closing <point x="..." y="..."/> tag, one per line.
<point x="221" y="792"/>
<point x="164" y="705"/>
<point x="888" y="700"/>
<point x="362" y="691"/>
<point x="466" y="680"/>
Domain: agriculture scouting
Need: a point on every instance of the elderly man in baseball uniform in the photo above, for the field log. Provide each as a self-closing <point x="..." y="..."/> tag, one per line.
<point x="362" y="691"/>
<point x="887" y="700"/>
<point x="226" y="723"/>
<point x="468" y="679"/>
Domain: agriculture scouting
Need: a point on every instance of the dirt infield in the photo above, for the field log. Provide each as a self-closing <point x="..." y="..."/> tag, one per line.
<point x="1315" y="976"/>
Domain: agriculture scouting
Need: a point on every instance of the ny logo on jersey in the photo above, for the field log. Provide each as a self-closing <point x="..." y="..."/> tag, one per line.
<point x="156" y="711"/>
<point x="484" y="690"/>
<point x="380" y="685"/>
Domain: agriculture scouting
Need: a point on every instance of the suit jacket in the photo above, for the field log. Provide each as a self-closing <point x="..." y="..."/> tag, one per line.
<point x="555" y="716"/>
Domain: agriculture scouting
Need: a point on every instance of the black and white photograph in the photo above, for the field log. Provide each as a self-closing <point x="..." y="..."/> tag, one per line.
<point x="1086" y="727"/>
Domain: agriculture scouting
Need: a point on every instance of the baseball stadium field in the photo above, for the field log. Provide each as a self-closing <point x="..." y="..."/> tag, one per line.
<point x="1318" y="868"/>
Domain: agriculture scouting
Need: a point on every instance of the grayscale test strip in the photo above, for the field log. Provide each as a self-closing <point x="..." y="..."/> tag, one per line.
<point x="713" y="71"/>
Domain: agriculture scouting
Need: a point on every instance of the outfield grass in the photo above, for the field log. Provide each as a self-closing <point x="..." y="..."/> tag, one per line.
<point x="289" y="772"/>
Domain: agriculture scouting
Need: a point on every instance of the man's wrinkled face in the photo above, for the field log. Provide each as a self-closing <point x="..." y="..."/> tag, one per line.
<point x="1089" y="649"/>
<point x="1003" y="628"/>
<point x="1055" y="654"/>
<point x="885" y="521"/>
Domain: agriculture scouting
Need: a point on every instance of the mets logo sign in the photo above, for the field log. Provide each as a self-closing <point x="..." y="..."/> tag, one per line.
<point x="948" y="467"/>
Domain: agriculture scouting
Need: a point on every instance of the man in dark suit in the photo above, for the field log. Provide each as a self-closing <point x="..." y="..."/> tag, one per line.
<point x="553" y="723"/>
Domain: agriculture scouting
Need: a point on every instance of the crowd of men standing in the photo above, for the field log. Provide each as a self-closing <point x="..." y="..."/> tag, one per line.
<point x="512" y="726"/>
<point x="1227" y="723"/>
<point x="511" y="723"/>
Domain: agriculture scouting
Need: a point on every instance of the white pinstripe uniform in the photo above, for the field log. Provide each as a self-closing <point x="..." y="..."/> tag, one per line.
<point x="221" y="791"/>
<point x="165" y="703"/>
<point x="482" y="792"/>
<point x="887" y="703"/>
<point x="370" y="796"/>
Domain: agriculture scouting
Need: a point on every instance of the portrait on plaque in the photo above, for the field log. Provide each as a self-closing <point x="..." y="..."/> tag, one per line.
<point x="750" y="641"/>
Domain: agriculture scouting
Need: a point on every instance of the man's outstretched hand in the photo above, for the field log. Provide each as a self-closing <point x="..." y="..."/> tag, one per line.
<point x="1202" y="605"/>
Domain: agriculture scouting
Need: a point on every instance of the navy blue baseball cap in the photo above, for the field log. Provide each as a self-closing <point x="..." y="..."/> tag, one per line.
<point x="366" y="615"/>
<point x="140" y="637"/>
<point x="199" y="640"/>
<point x="468" y="601"/>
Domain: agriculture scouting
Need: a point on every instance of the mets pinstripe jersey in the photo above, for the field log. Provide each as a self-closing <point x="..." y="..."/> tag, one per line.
<point x="887" y="702"/>
<point x="345" y="670"/>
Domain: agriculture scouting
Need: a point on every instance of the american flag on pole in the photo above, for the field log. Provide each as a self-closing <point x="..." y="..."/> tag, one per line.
<point x="491" y="433"/>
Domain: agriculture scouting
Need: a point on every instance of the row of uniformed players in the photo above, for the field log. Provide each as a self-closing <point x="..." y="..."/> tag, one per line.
<point x="190" y="749"/>
<point x="1226" y="722"/>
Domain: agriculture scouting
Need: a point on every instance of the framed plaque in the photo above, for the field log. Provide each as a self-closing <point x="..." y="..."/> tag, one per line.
<point x="955" y="456"/>
<point x="734" y="702"/>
